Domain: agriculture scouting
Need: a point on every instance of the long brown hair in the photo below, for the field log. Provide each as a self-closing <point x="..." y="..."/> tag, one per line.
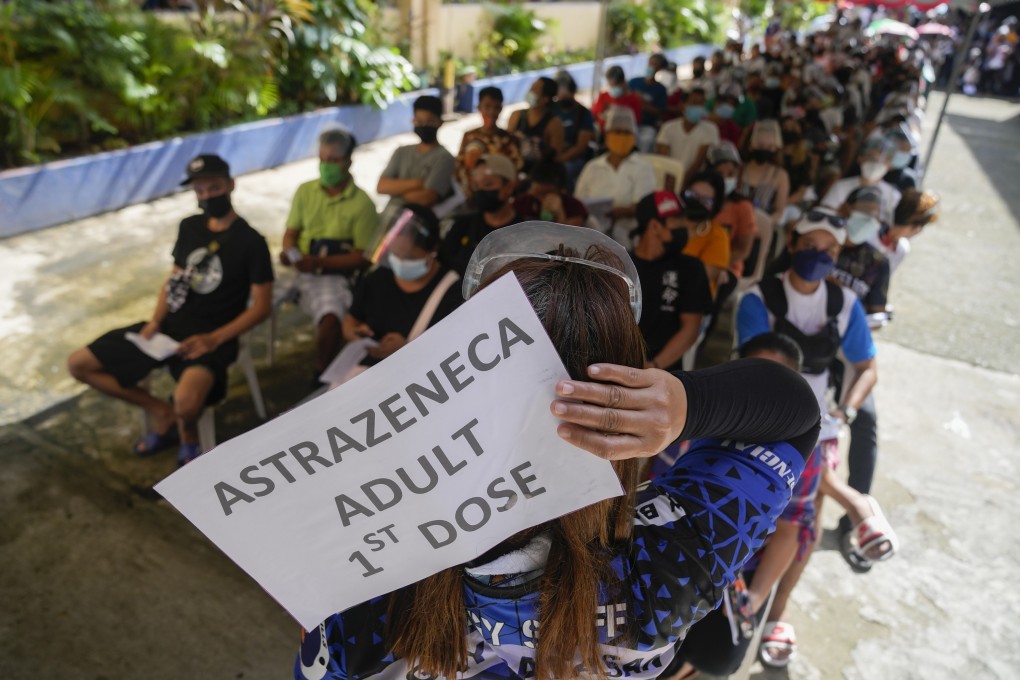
<point x="588" y="317"/>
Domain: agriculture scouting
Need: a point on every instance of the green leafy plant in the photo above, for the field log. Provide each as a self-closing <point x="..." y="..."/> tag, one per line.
<point x="513" y="39"/>
<point x="84" y="75"/>
<point x="333" y="61"/>
<point x="687" y="21"/>
<point x="631" y="28"/>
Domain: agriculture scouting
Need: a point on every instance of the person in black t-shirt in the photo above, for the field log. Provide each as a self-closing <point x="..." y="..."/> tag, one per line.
<point x="388" y="302"/>
<point x="861" y="266"/>
<point x="220" y="263"/>
<point x="493" y="181"/>
<point x="673" y="285"/>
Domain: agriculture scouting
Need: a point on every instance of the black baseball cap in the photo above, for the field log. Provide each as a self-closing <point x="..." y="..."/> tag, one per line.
<point x="206" y="165"/>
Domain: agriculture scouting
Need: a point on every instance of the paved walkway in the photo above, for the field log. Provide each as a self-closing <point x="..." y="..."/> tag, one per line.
<point x="100" y="581"/>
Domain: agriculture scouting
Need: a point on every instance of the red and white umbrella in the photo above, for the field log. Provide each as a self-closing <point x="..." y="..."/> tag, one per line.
<point x="936" y="29"/>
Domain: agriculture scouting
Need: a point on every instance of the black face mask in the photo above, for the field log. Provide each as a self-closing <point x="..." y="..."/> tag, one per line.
<point x="699" y="73"/>
<point x="676" y="245"/>
<point x="487" y="200"/>
<point x="215" y="207"/>
<point x="762" y="156"/>
<point x="695" y="211"/>
<point x="790" y="137"/>
<point x="426" y="133"/>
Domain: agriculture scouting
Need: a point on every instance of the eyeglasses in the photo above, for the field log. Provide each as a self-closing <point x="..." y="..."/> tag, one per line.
<point x="694" y="197"/>
<point x="819" y="216"/>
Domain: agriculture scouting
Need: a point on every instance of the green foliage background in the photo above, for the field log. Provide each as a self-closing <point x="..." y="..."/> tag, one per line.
<point x="664" y="23"/>
<point x="78" y="76"/>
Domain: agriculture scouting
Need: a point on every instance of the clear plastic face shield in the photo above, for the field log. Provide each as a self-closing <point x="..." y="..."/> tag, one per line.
<point x="410" y="238"/>
<point x="555" y="242"/>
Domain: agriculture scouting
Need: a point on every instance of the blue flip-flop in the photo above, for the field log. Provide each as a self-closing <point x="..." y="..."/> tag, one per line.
<point x="154" y="442"/>
<point x="187" y="453"/>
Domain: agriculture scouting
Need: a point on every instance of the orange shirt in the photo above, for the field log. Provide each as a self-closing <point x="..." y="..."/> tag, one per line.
<point x="711" y="247"/>
<point x="738" y="218"/>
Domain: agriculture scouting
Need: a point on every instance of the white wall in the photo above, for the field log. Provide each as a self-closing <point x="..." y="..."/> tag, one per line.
<point x="459" y="28"/>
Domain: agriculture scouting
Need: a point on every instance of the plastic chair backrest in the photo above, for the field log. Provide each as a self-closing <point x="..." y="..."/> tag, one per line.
<point x="669" y="172"/>
<point x="764" y="238"/>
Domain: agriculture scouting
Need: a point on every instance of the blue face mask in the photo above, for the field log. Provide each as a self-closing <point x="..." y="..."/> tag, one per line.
<point x="724" y="111"/>
<point x="408" y="270"/>
<point x="693" y="114"/>
<point x="649" y="73"/>
<point x="615" y="91"/>
<point x="811" y="264"/>
<point x="901" y="159"/>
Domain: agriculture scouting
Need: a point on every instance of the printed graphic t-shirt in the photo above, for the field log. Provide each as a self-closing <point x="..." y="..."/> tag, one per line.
<point x="227" y="264"/>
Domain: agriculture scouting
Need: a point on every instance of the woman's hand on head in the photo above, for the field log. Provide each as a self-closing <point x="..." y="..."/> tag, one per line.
<point x="630" y="413"/>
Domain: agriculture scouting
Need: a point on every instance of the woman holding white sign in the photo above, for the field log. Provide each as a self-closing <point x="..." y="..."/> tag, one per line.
<point x="609" y="589"/>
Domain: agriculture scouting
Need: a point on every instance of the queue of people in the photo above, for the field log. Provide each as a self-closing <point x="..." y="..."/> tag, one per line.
<point x="797" y="200"/>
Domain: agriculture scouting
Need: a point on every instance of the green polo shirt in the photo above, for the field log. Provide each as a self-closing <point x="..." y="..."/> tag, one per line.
<point x="348" y="216"/>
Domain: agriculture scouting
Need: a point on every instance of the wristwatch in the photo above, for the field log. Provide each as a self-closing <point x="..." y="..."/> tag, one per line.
<point x="850" y="412"/>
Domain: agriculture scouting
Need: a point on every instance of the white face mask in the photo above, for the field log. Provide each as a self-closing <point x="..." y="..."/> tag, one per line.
<point x="731" y="184"/>
<point x="409" y="270"/>
<point x="861" y="227"/>
<point x="873" y="170"/>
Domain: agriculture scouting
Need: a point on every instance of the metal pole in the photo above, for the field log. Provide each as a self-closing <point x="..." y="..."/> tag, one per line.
<point x="962" y="56"/>
<point x="600" y="50"/>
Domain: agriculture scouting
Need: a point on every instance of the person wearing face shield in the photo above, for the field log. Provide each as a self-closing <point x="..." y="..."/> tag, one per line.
<point x="902" y="173"/>
<point x="621" y="581"/>
<point x="674" y="285"/>
<point x="861" y="266"/>
<point x="493" y="182"/>
<point x="489" y="138"/>
<point x="619" y="174"/>
<point x="219" y="263"/>
<point x="408" y="292"/>
<point x="539" y="128"/>
<point x="688" y="139"/>
<point x="875" y="160"/>
<point x="419" y="173"/>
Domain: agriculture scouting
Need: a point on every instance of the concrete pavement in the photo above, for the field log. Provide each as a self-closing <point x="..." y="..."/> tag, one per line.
<point x="100" y="581"/>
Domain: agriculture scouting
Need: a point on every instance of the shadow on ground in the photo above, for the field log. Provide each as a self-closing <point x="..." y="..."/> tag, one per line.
<point x="103" y="580"/>
<point x="996" y="147"/>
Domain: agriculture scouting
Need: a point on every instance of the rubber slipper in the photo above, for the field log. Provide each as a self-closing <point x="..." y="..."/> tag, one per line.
<point x="154" y="442"/>
<point x="848" y="549"/>
<point x="777" y="637"/>
<point x="187" y="453"/>
<point x="875" y="537"/>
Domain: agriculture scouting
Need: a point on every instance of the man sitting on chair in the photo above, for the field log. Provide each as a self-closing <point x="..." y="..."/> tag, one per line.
<point x="220" y="263"/>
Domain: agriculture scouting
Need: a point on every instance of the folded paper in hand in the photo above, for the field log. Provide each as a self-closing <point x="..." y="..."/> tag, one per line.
<point x="159" y="346"/>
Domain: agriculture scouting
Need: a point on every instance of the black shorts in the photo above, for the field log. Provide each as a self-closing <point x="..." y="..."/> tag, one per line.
<point x="129" y="365"/>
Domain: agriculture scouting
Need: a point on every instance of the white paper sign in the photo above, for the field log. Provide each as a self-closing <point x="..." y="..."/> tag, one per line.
<point x="159" y="346"/>
<point x="423" y="462"/>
